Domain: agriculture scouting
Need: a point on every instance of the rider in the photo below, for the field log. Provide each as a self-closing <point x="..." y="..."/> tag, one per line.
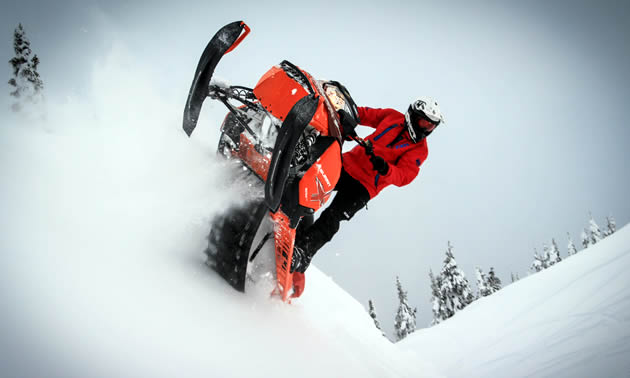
<point x="392" y="154"/>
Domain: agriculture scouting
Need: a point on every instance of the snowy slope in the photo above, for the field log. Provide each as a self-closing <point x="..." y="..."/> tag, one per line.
<point x="105" y="209"/>
<point x="571" y="320"/>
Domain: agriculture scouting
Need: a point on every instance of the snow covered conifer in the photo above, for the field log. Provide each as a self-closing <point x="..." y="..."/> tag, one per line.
<point x="546" y="257"/>
<point x="26" y="81"/>
<point x="571" y="247"/>
<point x="454" y="288"/>
<point x="553" y="253"/>
<point x="596" y="234"/>
<point x="611" y="226"/>
<point x="372" y="313"/>
<point x="586" y="240"/>
<point x="406" y="316"/>
<point x="482" y="289"/>
<point x="437" y="302"/>
<point x="538" y="263"/>
<point x="493" y="283"/>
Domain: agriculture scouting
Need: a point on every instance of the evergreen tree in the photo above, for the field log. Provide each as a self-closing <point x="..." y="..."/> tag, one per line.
<point x="372" y="313"/>
<point x="482" y="288"/>
<point x="26" y="81"/>
<point x="596" y="234"/>
<point x="493" y="283"/>
<point x="546" y="257"/>
<point x="571" y="247"/>
<point x="611" y="226"/>
<point x="554" y="253"/>
<point x="454" y="287"/>
<point x="586" y="240"/>
<point x="406" y="316"/>
<point x="514" y="277"/>
<point x="437" y="302"/>
<point x="538" y="263"/>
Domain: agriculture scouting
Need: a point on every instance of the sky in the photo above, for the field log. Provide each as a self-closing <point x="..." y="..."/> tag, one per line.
<point x="534" y="95"/>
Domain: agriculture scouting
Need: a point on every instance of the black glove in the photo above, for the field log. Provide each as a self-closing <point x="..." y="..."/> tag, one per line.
<point x="300" y="261"/>
<point x="348" y="124"/>
<point x="379" y="165"/>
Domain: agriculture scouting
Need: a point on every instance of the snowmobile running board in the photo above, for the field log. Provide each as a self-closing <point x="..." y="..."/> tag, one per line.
<point x="224" y="41"/>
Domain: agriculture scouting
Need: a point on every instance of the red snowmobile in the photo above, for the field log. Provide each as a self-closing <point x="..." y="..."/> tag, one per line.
<point x="285" y="138"/>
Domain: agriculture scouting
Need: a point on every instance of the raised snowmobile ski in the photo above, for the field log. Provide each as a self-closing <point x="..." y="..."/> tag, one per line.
<point x="286" y="135"/>
<point x="224" y="41"/>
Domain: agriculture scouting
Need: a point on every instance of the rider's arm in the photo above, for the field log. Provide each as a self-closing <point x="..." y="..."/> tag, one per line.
<point x="372" y="116"/>
<point x="406" y="168"/>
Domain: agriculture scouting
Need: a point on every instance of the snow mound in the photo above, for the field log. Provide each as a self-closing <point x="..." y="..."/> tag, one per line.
<point x="570" y="320"/>
<point x="105" y="208"/>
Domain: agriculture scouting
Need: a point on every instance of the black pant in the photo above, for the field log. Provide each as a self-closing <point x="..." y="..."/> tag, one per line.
<point x="351" y="197"/>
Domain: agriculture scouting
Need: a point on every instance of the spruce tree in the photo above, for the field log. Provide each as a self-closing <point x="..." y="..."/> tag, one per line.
<point x="546" y="257"/>
<point x="372" y="313"/>
<point x="26" y="82"/>
<point x="406" y="316"/>
<point x="571" y="247"/>
<point x="493" y="283"/>
<point x="538" y="263"/>
<point x="454" y="288"/>
<point x="611" y="226"/>
<point x="482" y="288"/>
<point x="595" y="232"/>
<point x="554" y="253"/>
<point x="437" y="302"/>
<point x="586" y="240"/>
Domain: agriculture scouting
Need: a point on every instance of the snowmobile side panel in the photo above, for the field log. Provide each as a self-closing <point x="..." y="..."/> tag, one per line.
<point x="282" y="86"/>
<point x="223" y="41"/>
<point x="278" y="93"/>
<point x="320" y="179"/>
<point x="247" y="153"/>
<point x="288" y="136"/>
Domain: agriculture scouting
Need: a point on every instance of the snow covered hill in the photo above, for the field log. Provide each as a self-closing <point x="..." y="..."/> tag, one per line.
<point x="571" y="320"/>
<point x="104" y="209"/>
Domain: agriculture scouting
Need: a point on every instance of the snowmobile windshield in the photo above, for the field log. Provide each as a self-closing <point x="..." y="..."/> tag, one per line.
<point x="339" y="98"/>
<point x="336" y="98"/>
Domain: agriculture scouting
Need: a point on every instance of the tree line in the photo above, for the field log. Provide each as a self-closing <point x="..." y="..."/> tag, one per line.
<point x="451" y="291"/>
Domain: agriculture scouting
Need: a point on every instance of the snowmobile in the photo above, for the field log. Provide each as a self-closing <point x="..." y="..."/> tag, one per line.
<point x="285" y="136"/>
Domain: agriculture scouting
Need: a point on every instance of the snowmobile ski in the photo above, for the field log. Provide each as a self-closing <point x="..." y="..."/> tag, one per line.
<point x="224" y="41"/>
<point x="291" y="130"/>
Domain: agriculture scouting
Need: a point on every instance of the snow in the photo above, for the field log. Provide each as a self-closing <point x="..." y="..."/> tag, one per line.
<point x="105" y="208"/>
<point x="570" y="320"/>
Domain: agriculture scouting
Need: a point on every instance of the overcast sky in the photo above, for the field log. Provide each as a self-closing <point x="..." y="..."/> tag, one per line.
<point x="534" y="94"/>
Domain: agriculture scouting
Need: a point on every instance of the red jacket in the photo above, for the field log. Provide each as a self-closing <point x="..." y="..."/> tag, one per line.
<point x="391" y="141"/>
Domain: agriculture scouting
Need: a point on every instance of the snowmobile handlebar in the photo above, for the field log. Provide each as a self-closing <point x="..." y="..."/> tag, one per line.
<point x="366" y="144"/>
